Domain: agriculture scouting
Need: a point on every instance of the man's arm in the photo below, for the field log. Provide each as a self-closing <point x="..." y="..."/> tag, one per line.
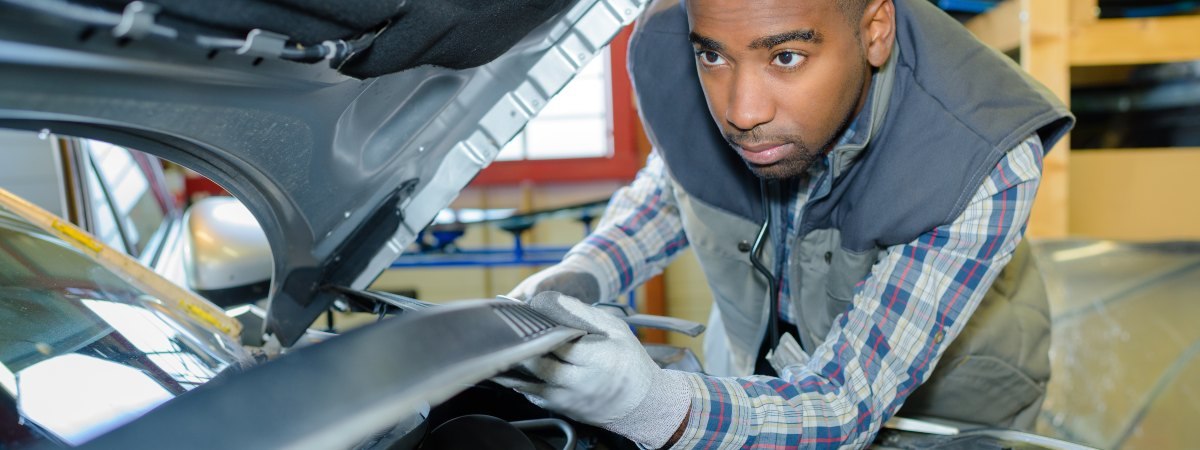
<point x="905" y="314"/>
<point x="639" y="234"/>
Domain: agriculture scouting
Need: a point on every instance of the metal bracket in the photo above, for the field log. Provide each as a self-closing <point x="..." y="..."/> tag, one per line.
<point x="263" y="43"/>
<point x="137" y="20"/>
<point x="341" y="51"/>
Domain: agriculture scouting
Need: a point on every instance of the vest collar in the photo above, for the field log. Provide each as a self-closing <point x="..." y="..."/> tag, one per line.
<point x="869" y="121"/>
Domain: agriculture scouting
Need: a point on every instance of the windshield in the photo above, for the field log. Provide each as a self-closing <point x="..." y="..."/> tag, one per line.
<point x="81" y="349"/>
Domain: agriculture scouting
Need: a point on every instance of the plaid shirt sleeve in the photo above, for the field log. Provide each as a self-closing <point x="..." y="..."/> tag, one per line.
<point x="915" y="301"/>
<point x="639" y="234"/>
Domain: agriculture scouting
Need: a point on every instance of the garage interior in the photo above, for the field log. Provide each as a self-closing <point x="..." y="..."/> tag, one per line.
<point x="1126" y="371"/>
<point x="1116" y="223"/>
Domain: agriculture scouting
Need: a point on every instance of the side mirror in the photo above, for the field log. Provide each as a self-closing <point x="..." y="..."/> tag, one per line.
<point x="227" y="257"/>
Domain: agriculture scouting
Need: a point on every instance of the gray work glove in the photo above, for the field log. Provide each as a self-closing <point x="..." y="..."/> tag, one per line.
<point x="575" y="276"/>
<point x="604" y="378"/>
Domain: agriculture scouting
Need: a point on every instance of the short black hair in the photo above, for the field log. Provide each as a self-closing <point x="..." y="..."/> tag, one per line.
<point x="853" y="10"/>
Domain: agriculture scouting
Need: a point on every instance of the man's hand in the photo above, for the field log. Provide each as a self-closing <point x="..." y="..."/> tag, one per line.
<point x="605" y="378"/>
<point x="573" y="277"/>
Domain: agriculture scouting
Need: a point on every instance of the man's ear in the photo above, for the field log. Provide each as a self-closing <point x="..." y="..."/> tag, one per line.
<point x="878" y="31"/>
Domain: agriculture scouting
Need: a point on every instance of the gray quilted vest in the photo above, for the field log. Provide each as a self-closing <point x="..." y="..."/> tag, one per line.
<point x="945" y="109"/>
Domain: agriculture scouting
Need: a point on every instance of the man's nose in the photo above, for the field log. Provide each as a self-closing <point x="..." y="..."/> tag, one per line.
<point x="750" y="103"/>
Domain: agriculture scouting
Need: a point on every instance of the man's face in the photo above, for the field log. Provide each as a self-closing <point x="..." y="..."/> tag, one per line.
<point x="782" y="77"/>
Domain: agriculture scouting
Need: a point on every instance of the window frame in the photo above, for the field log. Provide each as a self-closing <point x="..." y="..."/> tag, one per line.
<point x="625" y="160"/>
<point x="145" y="165"/>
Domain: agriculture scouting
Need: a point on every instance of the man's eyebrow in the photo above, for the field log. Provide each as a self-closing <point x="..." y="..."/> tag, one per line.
<point x="705" y="42"/>
<point x="806" y="35"/>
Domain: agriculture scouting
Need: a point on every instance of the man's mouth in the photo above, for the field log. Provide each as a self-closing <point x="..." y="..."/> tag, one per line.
<point x="764" y="154"/>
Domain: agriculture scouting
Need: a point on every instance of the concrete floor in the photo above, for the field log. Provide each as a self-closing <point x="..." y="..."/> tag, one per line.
<point x="1126" y="344"/>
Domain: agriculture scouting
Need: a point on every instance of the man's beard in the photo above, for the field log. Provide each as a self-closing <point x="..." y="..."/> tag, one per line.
<point x="795" y="164"/>
<point x="788" y="167"/>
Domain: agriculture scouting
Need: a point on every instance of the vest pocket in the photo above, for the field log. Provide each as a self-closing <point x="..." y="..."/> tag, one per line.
<point x="837" y="304"/>
<point x="846" y="270"/>
<point x="810" y="269"/>
<point x="823" y="281"/>
<point x="839" y="297"/>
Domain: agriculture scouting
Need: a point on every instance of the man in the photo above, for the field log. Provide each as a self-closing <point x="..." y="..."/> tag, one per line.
<point x="854" y="175"/>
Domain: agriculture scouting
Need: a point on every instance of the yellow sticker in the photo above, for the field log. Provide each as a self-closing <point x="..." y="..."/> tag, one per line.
<point x="200" y="314"/>
<point x="77" y="235"/>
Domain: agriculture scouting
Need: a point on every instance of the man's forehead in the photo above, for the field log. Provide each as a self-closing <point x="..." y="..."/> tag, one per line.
<point x="750" y="19"/>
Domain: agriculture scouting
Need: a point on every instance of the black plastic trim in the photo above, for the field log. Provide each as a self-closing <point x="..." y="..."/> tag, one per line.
<point x="339" y="392"/>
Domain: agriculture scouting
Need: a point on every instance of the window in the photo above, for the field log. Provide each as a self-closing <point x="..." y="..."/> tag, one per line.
<point x="122" y="198"/>
<point x="574" y="123"/>
<point x="82" y="350"/>
<point x="589" y="131"/>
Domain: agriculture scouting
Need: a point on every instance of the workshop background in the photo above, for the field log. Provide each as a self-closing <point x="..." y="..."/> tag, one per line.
<point x="1118" y="212"/>
<point x="1116" y="226"/>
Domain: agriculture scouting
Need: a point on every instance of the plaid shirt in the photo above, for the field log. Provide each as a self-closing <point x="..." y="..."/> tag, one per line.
<point x="911" y="306"/>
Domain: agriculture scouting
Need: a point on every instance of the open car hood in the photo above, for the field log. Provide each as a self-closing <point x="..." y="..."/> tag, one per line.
<point x="341" y="172"/>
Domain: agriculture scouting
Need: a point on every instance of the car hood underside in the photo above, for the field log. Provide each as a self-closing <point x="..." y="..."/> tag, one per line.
<point x="341" y="159"/>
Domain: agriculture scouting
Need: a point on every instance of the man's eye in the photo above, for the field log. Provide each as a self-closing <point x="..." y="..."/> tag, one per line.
<point x="788" y="59"/>
<point x="710" y="58"/>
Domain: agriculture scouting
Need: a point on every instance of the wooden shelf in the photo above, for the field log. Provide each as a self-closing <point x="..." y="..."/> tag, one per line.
<point x="1091" y="196"/>
<point x="1136" y="41"/>
<point x="1015" y="24"/>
